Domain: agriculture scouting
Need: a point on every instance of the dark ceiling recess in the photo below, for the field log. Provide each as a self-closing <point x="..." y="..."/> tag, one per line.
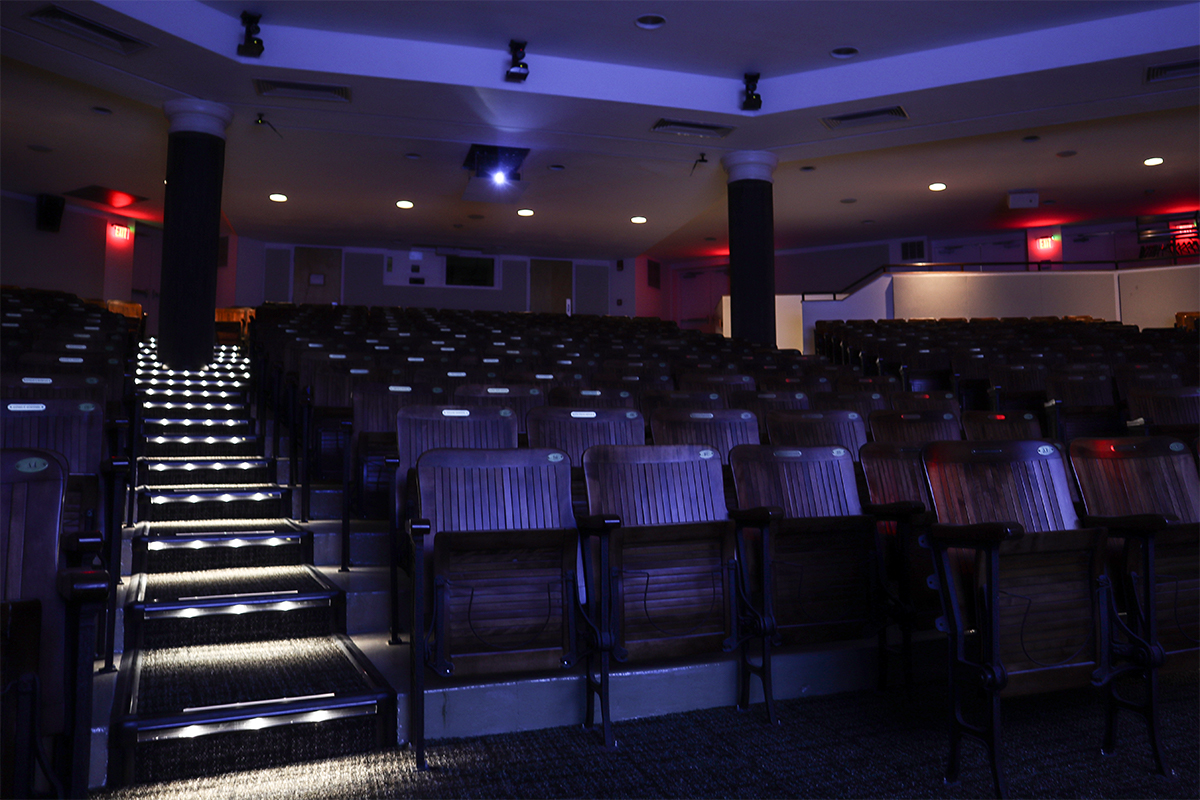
<point x="83" y="28"/>
<point x="1170" y="72"/>
<point x="872" y="117"/>
<point x="302" y="91"/>
<point x="105" y="196"/>
<point x="683" y="128"/>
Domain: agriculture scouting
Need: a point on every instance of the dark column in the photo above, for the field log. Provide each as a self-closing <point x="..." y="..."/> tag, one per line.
<point x="751" y="246"/>
<point x="191" y="232"/>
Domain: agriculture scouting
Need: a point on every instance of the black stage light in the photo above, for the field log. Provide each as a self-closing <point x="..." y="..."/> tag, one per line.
<point x="753" y="101"/>
<point x="252" y="47"/>
<point x="519" y="70"/>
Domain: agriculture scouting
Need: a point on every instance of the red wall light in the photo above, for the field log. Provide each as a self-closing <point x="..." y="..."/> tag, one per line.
<point x="120" y="232"/>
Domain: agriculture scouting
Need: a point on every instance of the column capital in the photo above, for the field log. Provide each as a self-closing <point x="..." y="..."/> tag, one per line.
<point x="757" y="165"/>
<point x="201" y="116"/>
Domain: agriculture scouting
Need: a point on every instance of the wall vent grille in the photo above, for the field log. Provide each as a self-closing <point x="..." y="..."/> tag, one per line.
<point x="83" y="28"/>
<point x="302" y="91"/>
<point x="683" y="128"/>
<point x="859" y="118"/>
<point x="1173" y="71"/>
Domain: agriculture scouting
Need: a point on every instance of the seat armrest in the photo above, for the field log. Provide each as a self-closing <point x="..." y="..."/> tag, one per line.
<point x="83" y="585"/>
<point x="1136" y="524"/>
<point x="980" y="534"/>
<point x="760" y="515"/>
<point x="82" y="542"/>
<point x="418" y="529"/>
<point x="596" y="523"/>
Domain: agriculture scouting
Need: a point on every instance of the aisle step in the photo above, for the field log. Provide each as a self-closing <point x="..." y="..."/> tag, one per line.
<point x="209" y="709"/>
<point x="181" y="470"/>
<point x="236" y="653"/>
<point x="202" y="502"/>
<point x="221" y="550"/>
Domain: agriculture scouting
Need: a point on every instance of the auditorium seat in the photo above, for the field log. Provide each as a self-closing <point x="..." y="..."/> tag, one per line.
<point x="1030" y="613"/>
<point x="502" y="579"/>
<point x="805" y="554"/>
<point x="662" y="584"/>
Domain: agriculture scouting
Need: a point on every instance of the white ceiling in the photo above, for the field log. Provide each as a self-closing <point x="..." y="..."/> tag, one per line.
<point x="426" y="79"/>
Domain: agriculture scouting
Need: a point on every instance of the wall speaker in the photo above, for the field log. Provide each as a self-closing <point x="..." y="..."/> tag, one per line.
<point x="49" y="212"/>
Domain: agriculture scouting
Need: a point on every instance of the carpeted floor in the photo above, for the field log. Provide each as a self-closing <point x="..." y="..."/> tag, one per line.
<point x="862" y="744"/>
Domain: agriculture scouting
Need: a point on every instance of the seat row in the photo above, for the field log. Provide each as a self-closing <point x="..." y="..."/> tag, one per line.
<point x="505" y="577"/>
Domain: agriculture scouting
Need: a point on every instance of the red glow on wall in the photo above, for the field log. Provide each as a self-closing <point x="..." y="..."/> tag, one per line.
<point x="1184" y="229"/>
<point x="120" y="232"/>
<point x="121" y="199"/>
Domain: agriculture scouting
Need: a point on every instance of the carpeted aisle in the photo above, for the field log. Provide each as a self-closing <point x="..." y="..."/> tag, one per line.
<point x="861" y="744"/>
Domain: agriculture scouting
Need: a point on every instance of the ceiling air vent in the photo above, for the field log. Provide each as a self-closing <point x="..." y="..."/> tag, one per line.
<point x="683" y="128"/>
<point x="81" y="28"/>
<point x="858" y="118"/>
<point x="1170" y="72"/>
<point x="302" y="91"/>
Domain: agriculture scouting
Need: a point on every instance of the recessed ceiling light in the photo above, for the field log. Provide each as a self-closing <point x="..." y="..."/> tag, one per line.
<point x="710" y="238"/>
<point x="844" y="52"/>
<point x="638" y="220"/>
<point x="556" y="167"/>
<point x="1153" y="162"/>
<point x="1066" y="153"/>
<point x="474" y="216"/>
<point x="868" y="222"/>
<point x="524" y="212"/>
<point x="937" y="187"/>
<point x="651" y="22"/>
<point x="404" y="204"/>
<point x="413" y="156"/>
<point x="808" y="169"/>
<point x="41" y="148"/>
<point x="278" y="198"/>
<point x="1049" y="202"/>
<point x="101" y="110"/>
<point x="1031" y="138"/>
<point x="458" y="225"/>
<point x="849" y="200"/>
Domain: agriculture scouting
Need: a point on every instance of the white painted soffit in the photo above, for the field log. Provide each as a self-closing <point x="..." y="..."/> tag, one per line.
<point x="338" y="53"/>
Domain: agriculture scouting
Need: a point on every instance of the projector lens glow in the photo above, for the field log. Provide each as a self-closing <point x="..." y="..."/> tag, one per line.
<point x="499" y="178"/>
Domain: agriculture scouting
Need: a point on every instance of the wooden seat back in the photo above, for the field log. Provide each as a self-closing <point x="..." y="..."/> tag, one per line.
<point x="32" y="486"/>
<point x="988" y="426"/>
<point x="671" y="558"/>
<point x="817" y="564"/>
<point x="505" y="552"/>
<point x="1152" y="475"/>
<point x="574" y="430"/>
<point x="518" y="397"/>
<point x="1039" y="591"/>
<point x="720" y="428"/>
<point x="936" y="400"/>
<point x="914" y="427"/>
<point x="807" y="428"/>
<point x="593" y="397"/>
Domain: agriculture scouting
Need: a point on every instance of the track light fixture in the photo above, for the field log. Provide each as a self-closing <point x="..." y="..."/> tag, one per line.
<point x="753" y="101"/>
<point x="252" y="47"/>
<point x="519" y="70"/>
